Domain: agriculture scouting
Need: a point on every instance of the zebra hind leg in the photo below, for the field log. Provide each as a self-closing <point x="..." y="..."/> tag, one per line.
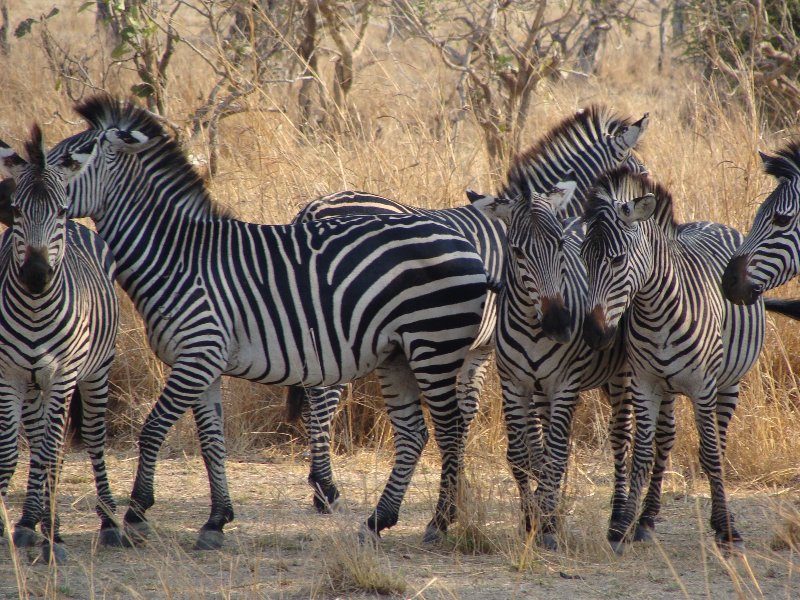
<point x="401" y="397"/>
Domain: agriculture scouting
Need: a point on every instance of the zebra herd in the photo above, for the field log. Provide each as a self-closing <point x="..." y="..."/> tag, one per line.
<point x="575" y="273"/>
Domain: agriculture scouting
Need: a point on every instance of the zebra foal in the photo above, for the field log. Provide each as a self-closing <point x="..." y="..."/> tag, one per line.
<point x="58" y="323"/>
<point x="682" y="337"/>
<point x="584" y="145"/>
<point x="315" y="304"/>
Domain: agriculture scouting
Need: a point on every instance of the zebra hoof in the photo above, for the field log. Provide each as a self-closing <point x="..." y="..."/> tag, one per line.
<point x="433" y="536"/>
<point x="209" y="539"/>
<point x="548" y="541"/>
<point x="643" y="533"/>
<point x="24" y="537"/>
<point x="55" y="553"/>
<point x="730" y="545"/>
<point x="137" y="532"/>
<point x="112" y="537"/>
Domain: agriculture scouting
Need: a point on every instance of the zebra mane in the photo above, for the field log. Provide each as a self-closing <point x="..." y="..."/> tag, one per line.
<point x="583" y="127"/>
<point x="786" y="164"/>
<point x="104" y="112"/>
<point x="622" y="185"/>
<point x="35" y="148"/>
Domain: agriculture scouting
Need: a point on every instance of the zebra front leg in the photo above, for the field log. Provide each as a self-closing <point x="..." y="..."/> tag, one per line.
<point x="647" y="403"/>
<point x="523" y="431"/>
<point x="190" y="378"/>
<point x="712" y="430"/>
<point x="559" y="426"/>
<point x="94" y="397"/>
<point x="10" y="408"/>
<point x="665" y="440"/>
<point x="401" y="396"/>
<point x="49" y="455"/>
<point x="34" y="425"/>
<point x="618" y="390"/>
<point x="322" y="403"/>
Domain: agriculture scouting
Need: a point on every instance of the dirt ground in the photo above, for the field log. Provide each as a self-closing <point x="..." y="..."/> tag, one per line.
<point x="278" y="547"/>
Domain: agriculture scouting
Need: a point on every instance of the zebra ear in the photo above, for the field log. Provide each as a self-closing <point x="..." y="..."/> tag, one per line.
<point x="491" y="206"/>
<point x="638" y="209"/>
<point x="11" y="163"/>
<point x="631" y="135"/>
<point x="7" y="189"/>
<point x="74" y="162"/>
<point x="131" y="142"/>
<point x="561" y="194"/>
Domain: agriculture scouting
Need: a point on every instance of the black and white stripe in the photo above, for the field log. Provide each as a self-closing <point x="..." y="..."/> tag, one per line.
<point x="584" y="145"/>
<point x="59" y="316"/>
<point x="313" y="304"/>
<point x="683" y="336"/>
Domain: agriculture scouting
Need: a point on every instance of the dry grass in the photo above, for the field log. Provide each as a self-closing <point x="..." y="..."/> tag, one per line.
<point x="701" y="146"/>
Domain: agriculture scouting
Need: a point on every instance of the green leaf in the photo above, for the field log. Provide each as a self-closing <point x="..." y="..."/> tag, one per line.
<point x="86" y="6"/>
<point x="53" y="12"/>
<point x="24" y="28"/>
<point x="58" y="84"/>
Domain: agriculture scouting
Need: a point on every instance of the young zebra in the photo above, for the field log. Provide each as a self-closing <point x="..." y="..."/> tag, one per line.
<point x="58" y="325"/>
<point x="770" y="253"/>
<point x="585" y="145"/>
<point x="682" y="336"/>
<point x="313" y="304"/>
<point x="542" y="359"/>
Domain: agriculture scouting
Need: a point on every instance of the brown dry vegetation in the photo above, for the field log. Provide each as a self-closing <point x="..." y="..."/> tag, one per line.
<point x="703" y="147"/>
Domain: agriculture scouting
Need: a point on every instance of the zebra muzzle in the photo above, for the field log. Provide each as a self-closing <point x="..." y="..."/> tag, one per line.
<point x="596" y="333"/>
<point x="736" y="285"/>
<point x="36" y="272"/>
<point x="556" y="320"/>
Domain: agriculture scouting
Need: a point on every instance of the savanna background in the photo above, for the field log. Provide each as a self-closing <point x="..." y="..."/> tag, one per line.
<point x="280" y="102"/>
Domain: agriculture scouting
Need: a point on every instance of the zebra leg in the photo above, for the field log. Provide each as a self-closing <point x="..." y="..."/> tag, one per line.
<point x="647" y="404"/>
<point x="93" y="398"/>
<point x="665" y="440"/>
<point x="522" y="430"/>
<point x="49" y="456"/>
<point x="34" y="425"/>
<point x="618" y="390"/>
<point x="559" y="426"/>
<point x="401" y="396"/>
<point x="713" y="413"/>
<point x="322" y="403"/>
<point x="189" y="384"/>
<point x="470" y="382"/>
<point x="10" y="409"/>
<point x="208" y="417"/>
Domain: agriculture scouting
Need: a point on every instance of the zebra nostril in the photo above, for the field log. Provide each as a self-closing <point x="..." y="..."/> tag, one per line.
<point x="758" y="288"/>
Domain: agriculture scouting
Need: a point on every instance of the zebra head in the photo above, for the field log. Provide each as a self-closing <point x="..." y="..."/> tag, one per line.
<point x="38" y="209"/>
<point x="616" y="251"/>
<point x="120" y="131"/>
<point x="535" y="263"/>
<point x="770" y="253"/>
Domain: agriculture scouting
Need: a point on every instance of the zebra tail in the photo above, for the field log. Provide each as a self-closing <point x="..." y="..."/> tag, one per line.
<point x="788" y="308"/>
<point x="295" y="397"/>
<point x="75" y="417"/>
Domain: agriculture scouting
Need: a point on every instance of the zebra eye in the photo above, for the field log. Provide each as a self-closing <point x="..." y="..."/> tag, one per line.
<point x="517" y="252"/>
<point x="16" y="212"/>
<point x="617" y="261"/>
<point x="781" y="220"/>
<point x="62" y="212"/>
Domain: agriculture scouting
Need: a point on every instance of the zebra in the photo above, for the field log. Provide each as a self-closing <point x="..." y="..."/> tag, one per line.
<point x="682" y="336"/>
<point x="770" y="253"/>
<point x="584" y="145"/>
<point x="58" y="327"/>
<point x="313" y="304"/>
<point x="542" y="359"/>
